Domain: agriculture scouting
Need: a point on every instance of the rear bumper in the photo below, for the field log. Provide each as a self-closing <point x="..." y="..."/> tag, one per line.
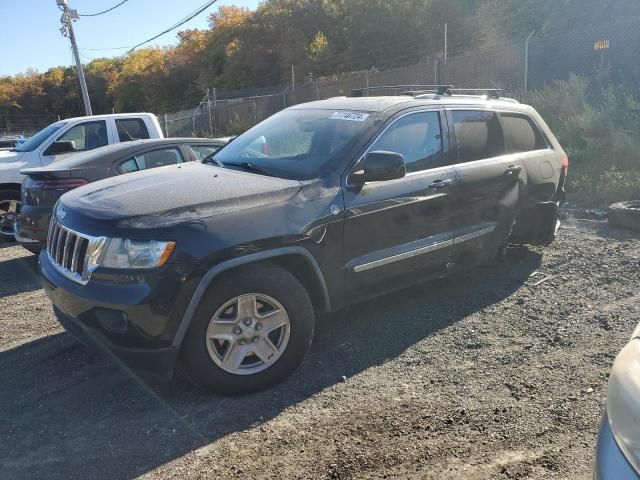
<point x="537" y="225"/>
<point x="32" y="226"/>
<point x="611" y="464"/>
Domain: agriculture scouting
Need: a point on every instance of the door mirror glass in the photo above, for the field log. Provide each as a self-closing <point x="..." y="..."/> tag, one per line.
<point x="57" y="148"/>
<point x="380" y="166"/>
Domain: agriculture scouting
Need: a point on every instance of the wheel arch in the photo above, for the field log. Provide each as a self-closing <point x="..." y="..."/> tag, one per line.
<point x="297" y="260"/>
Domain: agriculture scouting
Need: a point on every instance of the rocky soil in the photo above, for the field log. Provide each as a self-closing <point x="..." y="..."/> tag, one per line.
<point x="479" y="376"/>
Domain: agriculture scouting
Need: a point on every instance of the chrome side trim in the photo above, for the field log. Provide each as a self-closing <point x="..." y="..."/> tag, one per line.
<point x="435" y="243"/>
<point x="401" y="252"/>
<point x="473" y="235"/>
<point x="402" y="256"/>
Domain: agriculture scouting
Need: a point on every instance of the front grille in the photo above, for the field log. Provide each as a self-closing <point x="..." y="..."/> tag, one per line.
<point x="68" y="251"/>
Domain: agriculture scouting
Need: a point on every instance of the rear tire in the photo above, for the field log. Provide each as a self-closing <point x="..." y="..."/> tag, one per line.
<point x="7" y="218"/>
<point x="625" y="215"/>
<point x="222" y="327"/>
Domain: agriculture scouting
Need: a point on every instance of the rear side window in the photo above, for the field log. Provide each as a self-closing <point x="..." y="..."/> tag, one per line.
<point x="131" y="129"/>
<point x="522" y="134"/>
<point x="203" y="151"/>
<point x="417" y="137"/>
<point x="152" y="159"/>
<point x="478" y="135"/>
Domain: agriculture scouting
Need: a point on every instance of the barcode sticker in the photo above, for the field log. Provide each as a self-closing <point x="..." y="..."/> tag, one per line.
<point x="350" y="116"/>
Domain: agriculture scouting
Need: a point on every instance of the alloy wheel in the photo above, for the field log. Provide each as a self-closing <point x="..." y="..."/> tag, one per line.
<point x="9" y="211"/>
<point x="248" y="334"/>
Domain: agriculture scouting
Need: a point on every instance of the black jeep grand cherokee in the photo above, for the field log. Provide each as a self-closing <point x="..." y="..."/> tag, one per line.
<point x="225" y="265"/>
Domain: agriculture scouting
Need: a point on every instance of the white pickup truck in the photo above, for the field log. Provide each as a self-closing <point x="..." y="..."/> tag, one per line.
<point x="60" y="140"/>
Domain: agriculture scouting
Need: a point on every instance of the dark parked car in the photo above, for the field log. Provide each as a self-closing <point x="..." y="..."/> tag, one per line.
<point x="618" y="450"/>
<point x="226" y="265"/>
<point x="9" y="143"/>
<point x="45" y="185"/>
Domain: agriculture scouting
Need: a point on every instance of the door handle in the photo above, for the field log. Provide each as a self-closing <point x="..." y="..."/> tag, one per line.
<point x="513" y="170"/>
<point x="440" y="184"/>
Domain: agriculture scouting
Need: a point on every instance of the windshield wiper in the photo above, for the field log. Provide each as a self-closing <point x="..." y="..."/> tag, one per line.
<point x="252" y="167"/>
<point x="211" y="160"/>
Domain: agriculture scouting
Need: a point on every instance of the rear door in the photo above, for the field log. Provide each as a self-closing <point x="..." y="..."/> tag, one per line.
<point x="488" y="184"/>
<point x="128" y="129"/>
<point x="397" y="229"/>
<point x="524" y="137"/>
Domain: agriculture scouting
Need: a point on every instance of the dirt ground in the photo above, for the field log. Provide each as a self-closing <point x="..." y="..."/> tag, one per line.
<point x="479" y="376"/>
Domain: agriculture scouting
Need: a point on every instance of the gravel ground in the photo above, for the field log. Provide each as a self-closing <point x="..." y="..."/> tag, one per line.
<point x="478" y="376"/>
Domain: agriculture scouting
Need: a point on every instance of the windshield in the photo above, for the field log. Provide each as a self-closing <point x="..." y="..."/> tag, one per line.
<point x="35" y="141"/>
<point x="296" y="143"/>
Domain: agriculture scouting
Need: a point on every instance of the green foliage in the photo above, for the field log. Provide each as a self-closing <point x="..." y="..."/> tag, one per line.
<point x="596" y="122"/>
<point x="597" y="126"/>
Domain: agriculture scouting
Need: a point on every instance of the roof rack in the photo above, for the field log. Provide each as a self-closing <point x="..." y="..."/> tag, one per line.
<point x="441" y="90"/>
<point x="489" y="92"/>
<point x="406" y="89"/>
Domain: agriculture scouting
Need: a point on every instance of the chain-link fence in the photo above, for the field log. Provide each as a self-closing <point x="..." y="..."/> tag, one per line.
<point x="24" y="125"/>
<point x="604" y="52"/>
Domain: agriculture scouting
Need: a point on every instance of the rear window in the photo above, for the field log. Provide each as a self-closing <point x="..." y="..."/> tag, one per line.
<point x="478" y="135"/>
<point x="203" y="151"/>
<point x="131" y="129"/>
<point x="522" y="134"/>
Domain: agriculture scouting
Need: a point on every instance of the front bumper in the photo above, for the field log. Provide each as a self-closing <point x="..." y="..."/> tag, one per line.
<point x="133" y="317"/>
<point x="611" y="464"/>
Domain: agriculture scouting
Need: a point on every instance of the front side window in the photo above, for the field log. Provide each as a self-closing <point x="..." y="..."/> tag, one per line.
<point x="522" y="134"/>
<point x="203" y="151"/>
<point x="152" y="159"/>
<point x="478" y="135"/>
<point x="131" y="129"/>
<point x="417" y="137"/>
<point x="297" y="143"/>
<point x="86" y="136"/>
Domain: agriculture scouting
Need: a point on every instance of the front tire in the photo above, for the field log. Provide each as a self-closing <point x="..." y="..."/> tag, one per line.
<point x="251" y="330"/>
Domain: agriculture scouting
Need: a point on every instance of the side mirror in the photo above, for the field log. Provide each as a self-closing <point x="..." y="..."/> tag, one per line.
<point x="56" y="148"/>
<point x="380" y="166"/>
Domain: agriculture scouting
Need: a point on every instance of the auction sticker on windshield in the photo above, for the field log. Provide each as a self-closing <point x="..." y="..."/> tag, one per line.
<point x="351" y="116"/>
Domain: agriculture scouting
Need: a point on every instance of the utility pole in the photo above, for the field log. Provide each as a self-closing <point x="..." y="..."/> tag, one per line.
<point x="446" y="40"/>
<point x="67" y="18"/>
<point x="526" y="61"/>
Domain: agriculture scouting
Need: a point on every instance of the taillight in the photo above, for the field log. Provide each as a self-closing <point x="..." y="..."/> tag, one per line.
<point x="565" y="163"/>
<point x="57" y="183"/>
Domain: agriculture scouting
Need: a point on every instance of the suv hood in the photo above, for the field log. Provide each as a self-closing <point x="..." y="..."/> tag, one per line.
<point x="167" y="196"/>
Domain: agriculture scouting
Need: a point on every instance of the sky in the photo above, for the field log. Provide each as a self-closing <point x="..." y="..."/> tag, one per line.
<point x="30" y="29"/>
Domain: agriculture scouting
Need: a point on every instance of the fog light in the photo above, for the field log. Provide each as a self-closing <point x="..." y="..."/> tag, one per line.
<point x="113" y="321"/>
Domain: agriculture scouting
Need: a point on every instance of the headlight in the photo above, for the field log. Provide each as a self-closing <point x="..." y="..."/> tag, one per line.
<point x="623" y="402"/>
<point x="123" y="253"/>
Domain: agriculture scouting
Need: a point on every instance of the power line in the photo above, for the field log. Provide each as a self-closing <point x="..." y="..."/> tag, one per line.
<point x="104" y="11"/>
<point x="176" y="25"/>
<point x="103" y="49"/>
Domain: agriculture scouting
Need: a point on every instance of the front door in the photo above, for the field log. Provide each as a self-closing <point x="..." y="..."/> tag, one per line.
<point x="84" y="136"/>
<point x="400" y="229"/>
